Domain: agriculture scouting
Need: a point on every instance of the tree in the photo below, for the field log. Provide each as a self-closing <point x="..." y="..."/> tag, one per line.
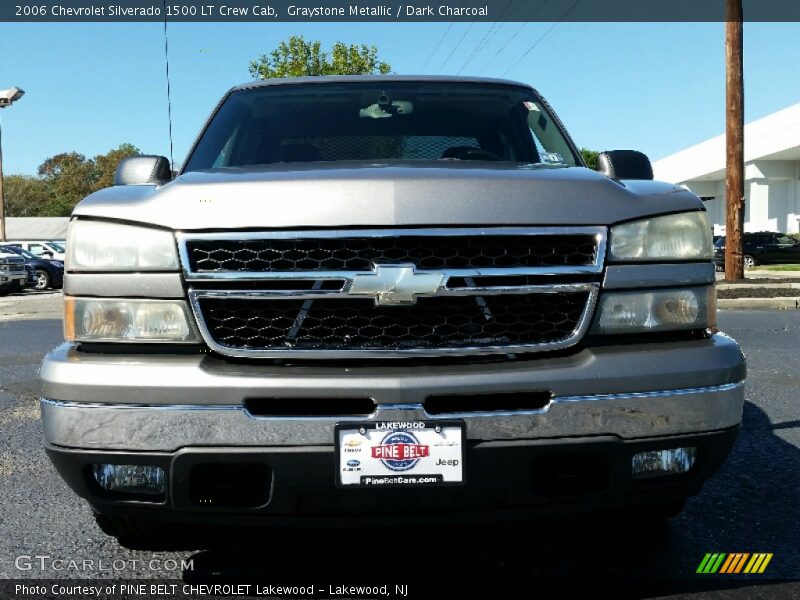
<point x="69" y="176"/>
<point x="64" y="180"/>
<point x="589" y="157"/>
<point x="297" y="58"/>
<point x="26" y="196"/>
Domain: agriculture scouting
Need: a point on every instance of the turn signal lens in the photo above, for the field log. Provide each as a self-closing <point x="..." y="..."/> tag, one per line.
<point x="113" y="320"/>
<point x="656" y="310"/>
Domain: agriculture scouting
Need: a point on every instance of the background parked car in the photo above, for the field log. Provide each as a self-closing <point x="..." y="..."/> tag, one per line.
<point x="42" y="248"/>
<point x="46" y="273"/>
<point x="12" y="272"/>
<point x="761" y="248"/>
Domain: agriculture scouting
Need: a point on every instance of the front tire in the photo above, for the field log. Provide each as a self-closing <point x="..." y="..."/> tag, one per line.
<point x="749" y="262"/>
<point x="42" y="280"/>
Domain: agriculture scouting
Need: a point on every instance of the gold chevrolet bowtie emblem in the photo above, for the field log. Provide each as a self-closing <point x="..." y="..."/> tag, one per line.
<point x="396" y="284"/>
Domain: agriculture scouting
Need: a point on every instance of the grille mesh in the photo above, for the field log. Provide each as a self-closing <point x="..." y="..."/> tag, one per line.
<point x="432" y="323"/>
<point x="427" y="252"/>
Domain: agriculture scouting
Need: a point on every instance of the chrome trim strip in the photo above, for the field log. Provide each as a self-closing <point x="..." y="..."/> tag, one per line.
<point x="115" y="406"/>
<point x="560" y="288"/>
<point x="183" y="237"/>
<point x="657" y="394"/>
<point x="580" y="329"/>
<point x="283" y="275"/>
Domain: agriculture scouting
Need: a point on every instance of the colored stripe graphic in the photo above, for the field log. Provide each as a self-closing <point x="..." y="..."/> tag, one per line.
<point x="715" y="567"/>
<point x="703" y="563"/>
<point x="735" y="562"/>
<point x="711" y="562"/>
<point x="765" y="563"/>
<point x="741" y="562"/>
<point x="731" y="560"/>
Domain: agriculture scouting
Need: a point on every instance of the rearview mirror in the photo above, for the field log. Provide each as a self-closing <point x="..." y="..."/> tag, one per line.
<point x="143" y="170"/>
<point x="624" y="164"/>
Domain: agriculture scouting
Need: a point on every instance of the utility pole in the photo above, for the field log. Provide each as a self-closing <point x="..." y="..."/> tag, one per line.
<point x="734" y="136"/>
<point x="2" y="197"/>
<point x="7" y="98"/>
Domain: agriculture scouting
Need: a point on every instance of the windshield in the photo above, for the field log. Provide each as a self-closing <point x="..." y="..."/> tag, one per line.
<point x="20" y="251"/>
<point x="56" y="246"/>
<point x="380" y="121"/>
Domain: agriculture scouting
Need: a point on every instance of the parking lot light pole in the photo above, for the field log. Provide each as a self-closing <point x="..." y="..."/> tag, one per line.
<point x="7" y="98"/>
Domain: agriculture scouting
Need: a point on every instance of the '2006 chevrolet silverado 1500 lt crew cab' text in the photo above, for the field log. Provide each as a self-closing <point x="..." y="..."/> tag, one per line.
<point x="387" y="299"/>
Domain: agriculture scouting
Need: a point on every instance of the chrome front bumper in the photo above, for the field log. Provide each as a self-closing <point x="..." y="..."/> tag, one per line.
<point x="170" y="427"/>
<point x="163" y="403"/>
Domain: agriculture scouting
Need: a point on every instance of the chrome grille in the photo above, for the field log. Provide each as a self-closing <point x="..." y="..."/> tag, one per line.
<point x="324" y="294"/>
<point x="360" y="253"/>
<point x="13" y="264"/>
<point x="430" y="324"/>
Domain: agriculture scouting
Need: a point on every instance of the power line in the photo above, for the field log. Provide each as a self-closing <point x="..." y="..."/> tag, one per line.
<point x="513" y="36"/>
<point x="496" y="27"/>
<point x="438" y="45"/>
<point x="453" y="51"/>
<point x="541" y="37"/>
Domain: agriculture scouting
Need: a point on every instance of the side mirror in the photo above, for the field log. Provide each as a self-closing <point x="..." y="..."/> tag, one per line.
<point x="143" y="170"/>
<point x="624" y="164"/>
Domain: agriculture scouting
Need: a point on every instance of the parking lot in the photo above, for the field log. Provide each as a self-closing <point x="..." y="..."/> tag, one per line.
<point x="31" y="304"/>
<point x="752" y="505"/>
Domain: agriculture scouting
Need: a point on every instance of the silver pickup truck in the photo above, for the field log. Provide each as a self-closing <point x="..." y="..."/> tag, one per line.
<point x="13" y="275"/>
<point x="387" y="299"/>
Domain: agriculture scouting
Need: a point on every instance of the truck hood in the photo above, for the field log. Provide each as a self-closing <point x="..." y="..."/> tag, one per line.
<point x="398" y="194"/>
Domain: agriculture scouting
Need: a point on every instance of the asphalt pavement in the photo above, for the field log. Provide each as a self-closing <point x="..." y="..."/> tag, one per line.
<point x="751" y="505"/>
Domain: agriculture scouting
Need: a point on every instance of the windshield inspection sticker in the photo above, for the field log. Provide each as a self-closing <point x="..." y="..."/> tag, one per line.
<point x="552" y="157"/>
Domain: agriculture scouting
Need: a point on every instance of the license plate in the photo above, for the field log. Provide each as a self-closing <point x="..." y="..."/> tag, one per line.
<point x="399" y="454"/>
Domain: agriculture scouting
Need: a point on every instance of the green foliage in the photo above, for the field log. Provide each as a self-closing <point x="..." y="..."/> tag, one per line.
<point x="297" y="58"/>
<point x="589" y="157"/>
<point x="26" y="196"/>
<point x="64" y="180"/>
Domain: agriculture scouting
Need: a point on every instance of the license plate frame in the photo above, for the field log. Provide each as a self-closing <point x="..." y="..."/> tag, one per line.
<point x="446" y="440"/>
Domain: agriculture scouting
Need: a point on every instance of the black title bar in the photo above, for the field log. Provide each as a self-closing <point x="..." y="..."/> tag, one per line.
<point x="271" y="11"/>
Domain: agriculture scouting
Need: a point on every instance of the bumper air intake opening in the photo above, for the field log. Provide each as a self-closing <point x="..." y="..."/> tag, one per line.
<point x="569" y="474"/>
<point x="230" y="485"/>
<point x="488" y="403"/>
<point x="309" y="407"/>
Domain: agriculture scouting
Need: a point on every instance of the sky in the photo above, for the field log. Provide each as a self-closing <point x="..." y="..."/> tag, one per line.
<point x="653" y="87"/>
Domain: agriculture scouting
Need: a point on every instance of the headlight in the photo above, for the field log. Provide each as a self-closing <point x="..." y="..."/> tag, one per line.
<point x="112" y="320"/>
<point x="684" y="236"/>
<point x="656" y="310"/>
<point x="105" y="246"/>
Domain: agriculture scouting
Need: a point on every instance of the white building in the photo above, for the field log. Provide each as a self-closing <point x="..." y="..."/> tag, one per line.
<point x="772" y="171"/>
